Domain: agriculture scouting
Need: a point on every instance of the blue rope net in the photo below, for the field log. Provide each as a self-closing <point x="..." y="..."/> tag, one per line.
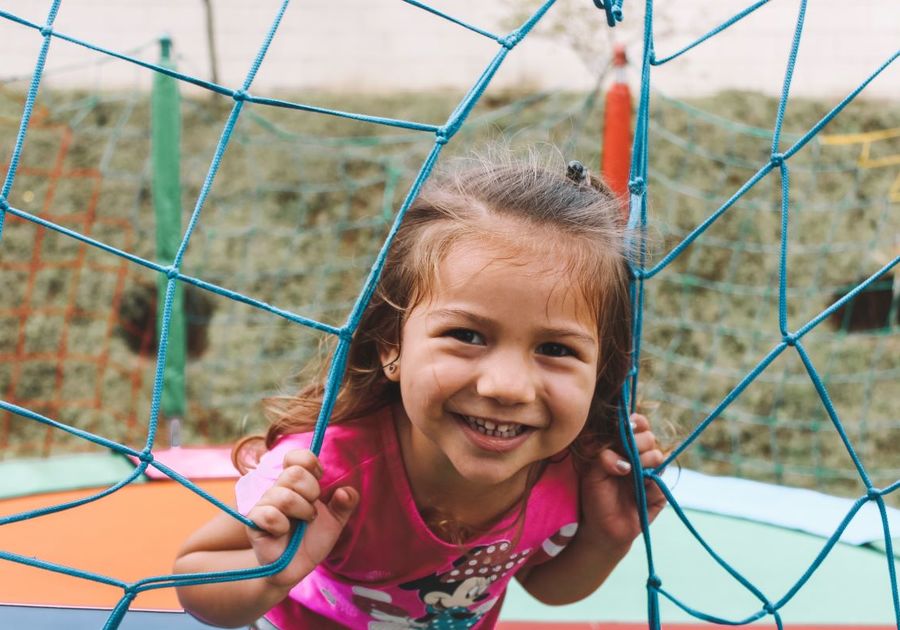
<point x="172" y="272"/>
<point x="791" y="340"/>
<point x="713" y="312"/>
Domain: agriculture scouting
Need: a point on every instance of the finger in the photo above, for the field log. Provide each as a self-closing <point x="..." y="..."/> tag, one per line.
<point x="299" y="480"/>
<point x="613" y="463"/>
<point x="645" y="441"/>
<point x="656" y="501"/>
<point x="342" y="503"/>
<point x="639" y="422"/>
<point x="270" y="520"/>
<point x="289" y="503"/>
<point x="652" y="458"/>
<point x="655" y="496"/>
<point x="305" y="459"/>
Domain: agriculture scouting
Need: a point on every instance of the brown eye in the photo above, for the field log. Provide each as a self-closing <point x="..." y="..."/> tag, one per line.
<point x="466" y="336"/>
<point x="555" y="350"/>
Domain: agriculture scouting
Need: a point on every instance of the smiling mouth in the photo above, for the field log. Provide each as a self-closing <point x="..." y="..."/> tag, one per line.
<point x="495" y="429"/>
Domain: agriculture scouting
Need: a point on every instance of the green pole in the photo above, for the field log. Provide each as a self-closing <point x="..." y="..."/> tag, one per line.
<point x="165" y="144"/>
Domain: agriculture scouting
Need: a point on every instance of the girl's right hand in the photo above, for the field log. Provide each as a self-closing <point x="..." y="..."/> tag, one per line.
<point x="295" y="497"/>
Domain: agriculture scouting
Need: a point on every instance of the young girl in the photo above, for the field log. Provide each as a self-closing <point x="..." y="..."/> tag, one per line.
<point x="474" y="438"/>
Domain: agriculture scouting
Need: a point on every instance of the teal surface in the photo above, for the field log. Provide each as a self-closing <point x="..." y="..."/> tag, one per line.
<point x="851" y="585"/>
<point x="20" y="477"/>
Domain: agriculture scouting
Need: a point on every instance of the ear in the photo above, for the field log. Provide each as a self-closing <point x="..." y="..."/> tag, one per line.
<point x="390" y="362"/>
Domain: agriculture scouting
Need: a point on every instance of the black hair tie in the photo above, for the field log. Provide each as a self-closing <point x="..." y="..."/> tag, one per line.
<point x="576" y="172"/>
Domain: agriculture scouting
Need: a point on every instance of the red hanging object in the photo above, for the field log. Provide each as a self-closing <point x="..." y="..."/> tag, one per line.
<point x="617" y="135"/>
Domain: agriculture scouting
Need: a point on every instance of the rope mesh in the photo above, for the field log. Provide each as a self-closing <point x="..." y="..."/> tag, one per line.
<point x="784" y="339"/>
<point x="704" y="251"/>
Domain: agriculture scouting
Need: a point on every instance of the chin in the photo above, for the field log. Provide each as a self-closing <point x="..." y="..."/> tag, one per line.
<point x="488" y="473"/>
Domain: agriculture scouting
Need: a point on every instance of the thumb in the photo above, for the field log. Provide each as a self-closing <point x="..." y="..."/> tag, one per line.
<point x="342" y="503"/>
<point x="325" y="530"/>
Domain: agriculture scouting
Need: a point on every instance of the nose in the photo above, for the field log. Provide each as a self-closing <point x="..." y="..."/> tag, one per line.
<point x="506" y="378"/>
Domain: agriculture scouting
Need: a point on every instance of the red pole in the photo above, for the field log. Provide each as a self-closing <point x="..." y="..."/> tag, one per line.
<point x="616" y="149"/>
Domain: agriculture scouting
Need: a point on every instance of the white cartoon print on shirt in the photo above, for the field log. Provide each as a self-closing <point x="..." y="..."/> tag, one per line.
<point x="457" y="598"/>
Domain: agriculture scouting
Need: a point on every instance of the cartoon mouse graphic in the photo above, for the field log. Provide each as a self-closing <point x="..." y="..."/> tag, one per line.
<point x="457" y="598"/>
<point x="448" y="602"/>
<point x="454" y="599"/>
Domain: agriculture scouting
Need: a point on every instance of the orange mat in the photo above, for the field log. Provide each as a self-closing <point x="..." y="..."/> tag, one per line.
<point x="131" y="534"/>
<point x="135" y="533"/>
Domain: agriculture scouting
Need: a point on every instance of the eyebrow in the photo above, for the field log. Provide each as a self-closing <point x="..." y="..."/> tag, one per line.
<point x="450" y="313"/>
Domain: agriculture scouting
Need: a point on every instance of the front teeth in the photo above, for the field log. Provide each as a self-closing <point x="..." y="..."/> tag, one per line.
<point x="494" y="429"/>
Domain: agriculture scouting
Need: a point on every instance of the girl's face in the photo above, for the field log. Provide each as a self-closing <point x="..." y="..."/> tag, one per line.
<point x="497" y="366"/>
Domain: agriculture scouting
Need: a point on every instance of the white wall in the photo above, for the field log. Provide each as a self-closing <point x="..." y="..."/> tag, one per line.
<point x="388" y="45"/>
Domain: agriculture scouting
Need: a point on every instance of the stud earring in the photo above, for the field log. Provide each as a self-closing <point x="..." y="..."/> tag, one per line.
<point x="392" y="371"/>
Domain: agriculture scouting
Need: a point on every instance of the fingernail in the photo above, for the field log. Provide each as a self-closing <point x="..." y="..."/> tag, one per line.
<point x="623" y="465"/>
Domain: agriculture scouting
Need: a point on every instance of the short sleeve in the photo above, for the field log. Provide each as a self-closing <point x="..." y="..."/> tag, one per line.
<point x="250" y="487"/>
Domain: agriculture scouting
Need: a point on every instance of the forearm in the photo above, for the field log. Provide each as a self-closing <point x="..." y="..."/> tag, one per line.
<point x="227" y="604"/>
<point x="575" y="573"/>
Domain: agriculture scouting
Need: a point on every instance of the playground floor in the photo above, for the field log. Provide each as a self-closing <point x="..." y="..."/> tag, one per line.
<point x="135" y="532"/>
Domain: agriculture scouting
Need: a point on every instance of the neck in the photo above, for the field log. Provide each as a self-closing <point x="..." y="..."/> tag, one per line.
<point x="437" y="486"/>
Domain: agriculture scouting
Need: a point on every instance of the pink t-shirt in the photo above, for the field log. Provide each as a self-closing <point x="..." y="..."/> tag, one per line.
<point x="388" y="571"/>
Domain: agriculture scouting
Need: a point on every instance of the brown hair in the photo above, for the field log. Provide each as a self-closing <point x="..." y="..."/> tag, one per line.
<point x="472" y="199"/>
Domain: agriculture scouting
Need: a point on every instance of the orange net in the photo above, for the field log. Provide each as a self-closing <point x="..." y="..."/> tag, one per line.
<point x="54" y="332"/>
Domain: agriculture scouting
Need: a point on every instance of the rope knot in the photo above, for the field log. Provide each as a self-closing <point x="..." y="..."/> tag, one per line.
<point x="441" y="136"/>
<point x="146" y="457"/>
<point x="4" y="204"/>
<point x="654" y="582"/>
<point x="613" y="11"/>
<point x="172" y="272"/>
<point x="769" y="607"/>
<point x="872" y="494"/>
<point x="790" y="339"/>
<point x="46" y="31"/>
<point x="240" y="95"/>
<point x="510" y="40"/>
<point x="777" y="159"/>
<point x="636" y="186"/>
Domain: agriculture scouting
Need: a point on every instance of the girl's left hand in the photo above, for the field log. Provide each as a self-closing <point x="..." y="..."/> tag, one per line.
<point x="609" y="509"/>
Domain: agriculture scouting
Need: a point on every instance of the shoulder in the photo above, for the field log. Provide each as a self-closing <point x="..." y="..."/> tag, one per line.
<point x="346" y="449"/>
<point x="554" y="499"/>
<point x="350" y="447"/>
<point x="553" y="508"/>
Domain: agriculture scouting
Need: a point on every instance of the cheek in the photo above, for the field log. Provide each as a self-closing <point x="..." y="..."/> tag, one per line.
<point x="573" y="395"/>
<point x="434" y="377"/>
<point x="424" y="391"/>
